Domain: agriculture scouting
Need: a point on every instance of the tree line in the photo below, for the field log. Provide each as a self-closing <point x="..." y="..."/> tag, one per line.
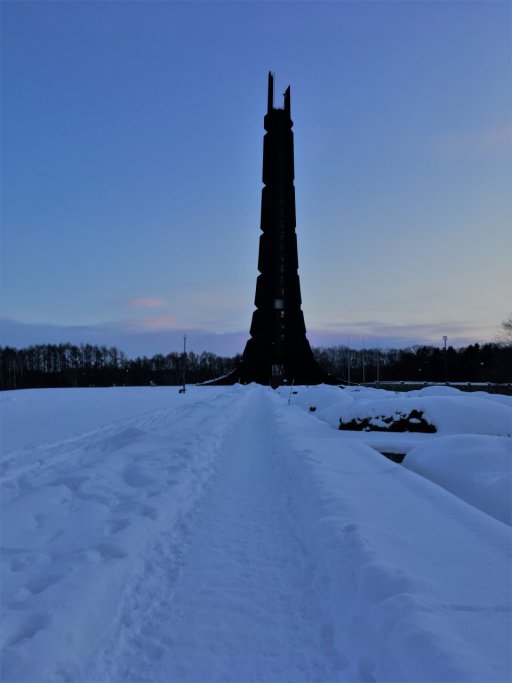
<point x="68" y="365"/>
<point x="473" y="363"/>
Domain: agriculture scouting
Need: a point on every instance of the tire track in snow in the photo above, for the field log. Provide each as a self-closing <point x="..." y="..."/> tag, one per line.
<point x="231" y="594"/>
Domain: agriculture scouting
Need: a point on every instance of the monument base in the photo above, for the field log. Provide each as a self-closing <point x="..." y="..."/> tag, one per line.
<point x="259" y="365"/>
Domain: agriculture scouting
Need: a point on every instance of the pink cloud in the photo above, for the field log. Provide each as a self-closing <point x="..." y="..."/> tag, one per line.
<point x="145" y="302"/>
<point x="498" y="136"/>
<point x="153" y="323"/>
<point x="487" y="141"/>
<point x="135" y="340"/>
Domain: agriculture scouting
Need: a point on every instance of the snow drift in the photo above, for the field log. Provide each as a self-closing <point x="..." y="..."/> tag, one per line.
<point x="475" y="468"/>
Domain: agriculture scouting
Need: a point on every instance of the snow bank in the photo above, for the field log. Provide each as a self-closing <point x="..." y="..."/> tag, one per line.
<point x="478" y="469"/>
<point x="324" y="401"/>
<point x="419" y="582"/>
<point x="440" y="390"/>
<point x="453" y="391"/>
<point x="474" y="463"/>
<point x="450" y="411"/>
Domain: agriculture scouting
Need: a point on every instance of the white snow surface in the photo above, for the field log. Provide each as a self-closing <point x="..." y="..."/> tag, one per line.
<point x="471" y="463"/>
<point x="227" y="534"/>
<point x="450" y="410"/>
<point x="475" y="468"/>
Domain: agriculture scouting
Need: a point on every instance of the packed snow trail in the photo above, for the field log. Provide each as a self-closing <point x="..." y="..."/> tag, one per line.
<point x="272" y="577"/>
<point x="232" y="596"/>
<point x="230" y="536"/>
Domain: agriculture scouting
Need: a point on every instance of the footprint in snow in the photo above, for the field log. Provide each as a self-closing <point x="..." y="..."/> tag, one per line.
<point x="71" y="483"/>
<point x="42" y="583"/>
<point x="115" y="526"/>
<point x="110" y="551"/>
<point x="146" y="511"/>
<point x="135" y="477"/>
<point x="34" y="624"/>
<point x="17" y="564"/>
<point x="120" y="440"/>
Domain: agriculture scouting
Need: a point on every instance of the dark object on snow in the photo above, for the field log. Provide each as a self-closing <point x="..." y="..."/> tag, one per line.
<point x="312" y="409"/>
<point x="395" y="457"/>
<point x="278" y="351"/>
<point x="401" y="422"/>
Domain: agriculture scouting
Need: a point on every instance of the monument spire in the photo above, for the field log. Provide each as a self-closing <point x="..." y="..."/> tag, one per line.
<point x="278" y="351"/>
<point x="270" y="104"/>
<point x="287" y="101"/>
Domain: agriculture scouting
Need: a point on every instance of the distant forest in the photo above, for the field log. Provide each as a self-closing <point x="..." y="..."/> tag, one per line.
<point x="67" y="365"/>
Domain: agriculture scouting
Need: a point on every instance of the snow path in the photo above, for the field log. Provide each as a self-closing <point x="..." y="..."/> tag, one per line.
<point x="233" y="583"/>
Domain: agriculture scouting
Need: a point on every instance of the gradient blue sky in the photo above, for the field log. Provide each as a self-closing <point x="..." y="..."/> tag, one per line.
<point x="131" y="163"/>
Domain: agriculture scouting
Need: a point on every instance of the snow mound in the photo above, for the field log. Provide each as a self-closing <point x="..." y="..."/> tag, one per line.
<point x="438" y="390"/>
<point x="470" y="454"/>
<point x="476" y="468"/>
<point x="499" y="398"/>
<point x="448" y="409"/>
<point x="449" y="414"/>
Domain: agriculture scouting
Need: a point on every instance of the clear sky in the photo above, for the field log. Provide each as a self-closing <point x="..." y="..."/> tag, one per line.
<point x="131" y="169"/>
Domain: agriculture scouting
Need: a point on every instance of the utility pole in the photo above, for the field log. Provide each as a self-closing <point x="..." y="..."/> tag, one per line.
<point x="445" y="339"/>
<point x="363" y="359"/>
<point x="183" y="390"/>
<point x="378" y="362"/>
<point x="348" y="359"/>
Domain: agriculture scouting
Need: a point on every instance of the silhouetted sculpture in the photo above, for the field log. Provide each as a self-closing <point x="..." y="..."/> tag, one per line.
<point x="278" y="351"/>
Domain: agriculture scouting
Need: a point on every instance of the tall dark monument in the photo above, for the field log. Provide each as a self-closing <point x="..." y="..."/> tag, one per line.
<point x="278" y="351"/>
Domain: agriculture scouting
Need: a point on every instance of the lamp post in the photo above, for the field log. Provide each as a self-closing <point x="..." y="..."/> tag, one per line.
<point x="184" y="363"/>
<point x="363" y="359"/>
<point x="445" y="339"/>
<point x="378" y="362"/>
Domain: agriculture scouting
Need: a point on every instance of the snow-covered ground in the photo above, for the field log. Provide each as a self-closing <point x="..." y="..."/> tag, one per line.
<point x="231" y="534"/>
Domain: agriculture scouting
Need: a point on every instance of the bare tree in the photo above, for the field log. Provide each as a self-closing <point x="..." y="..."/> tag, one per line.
<point x="504" y="337"/>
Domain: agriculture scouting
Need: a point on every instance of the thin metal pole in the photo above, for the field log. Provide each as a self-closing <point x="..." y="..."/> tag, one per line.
<point x="378" y="362"/>
<point x="363" y="359"/>
<point x="184" y="362"/>
<point x="445" y="338"/>
<point x="348" y="359"/>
